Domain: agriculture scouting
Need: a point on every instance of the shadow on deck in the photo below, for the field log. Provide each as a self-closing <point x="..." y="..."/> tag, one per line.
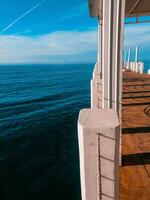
<point x="135" y="170"/>
<point x="136" y="159"/>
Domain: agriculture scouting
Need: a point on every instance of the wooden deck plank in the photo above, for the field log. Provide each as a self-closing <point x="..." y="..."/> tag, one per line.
<point x="135" y="172"/>
<point x="142" y="142"/>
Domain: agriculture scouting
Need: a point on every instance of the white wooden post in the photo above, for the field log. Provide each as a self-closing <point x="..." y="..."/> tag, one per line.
<point x="137" y="67"/>
<point x="96" y="89"/>
<point x="129" y="53"/>
<point x="141" y="68"/>
<point x="112" y="62"/>
<point x="131" y="66"/>
<point x="99" y="56"/>
<point x="134" y="67"/>
<point x="136" y="54"/>
<point x="120" y="5"/>
<point x="125" y="59"/>
<point x="106" y="51"/>
<point x="98" y="135"/>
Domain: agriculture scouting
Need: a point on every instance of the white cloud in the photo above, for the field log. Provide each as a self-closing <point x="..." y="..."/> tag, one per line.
<point x="56" y="47"/>
<point x="138" y="35"/>
<point x="66" y="46"/>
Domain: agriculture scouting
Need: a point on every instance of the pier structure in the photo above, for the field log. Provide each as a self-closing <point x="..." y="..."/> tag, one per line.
<point x="136" y="66"/>
<point x="99" y="127"/>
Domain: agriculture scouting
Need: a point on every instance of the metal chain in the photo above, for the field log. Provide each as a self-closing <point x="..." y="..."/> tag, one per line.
<point x="99" y="184"/>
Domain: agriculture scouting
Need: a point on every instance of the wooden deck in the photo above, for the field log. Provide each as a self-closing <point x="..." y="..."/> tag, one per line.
<point x="135" y="172"/>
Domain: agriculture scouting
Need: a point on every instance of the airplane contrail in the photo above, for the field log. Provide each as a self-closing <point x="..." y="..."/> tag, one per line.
<point x="22" y="16"/>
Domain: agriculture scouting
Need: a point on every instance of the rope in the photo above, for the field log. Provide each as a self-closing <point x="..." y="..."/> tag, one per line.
<point x="99" y="184"/>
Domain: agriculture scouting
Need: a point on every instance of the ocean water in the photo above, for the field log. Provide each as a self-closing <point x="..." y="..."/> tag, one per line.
<point x="146" y="66"/>
<point x="39" y="106"/>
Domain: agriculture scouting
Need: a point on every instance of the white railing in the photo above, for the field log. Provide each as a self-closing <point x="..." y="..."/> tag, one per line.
<point x="99" y="147"/>
<point x="137" y="67"/>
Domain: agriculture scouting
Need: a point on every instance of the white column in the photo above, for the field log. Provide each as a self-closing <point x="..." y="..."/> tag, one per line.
<point x="96" y="89"/>
<point x="141" y="68"/>
<point x="137" y="67"/>
<point x="129" y="53"/>
<point x="131" y="66"/>
<point x="98" y="135"/>
<point x="125" y="59"/>
<point x="134" y="67"/>
<point x="112" y="62"/>
<point x="99" y="56"/>
<point x="106" y="53"/>
<point x="136" y="54"/>
<point x="119" y="54"/>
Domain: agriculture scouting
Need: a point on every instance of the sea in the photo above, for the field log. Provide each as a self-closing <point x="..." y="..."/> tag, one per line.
<point x="39" y="107"/>
<point x="146" y="66"/>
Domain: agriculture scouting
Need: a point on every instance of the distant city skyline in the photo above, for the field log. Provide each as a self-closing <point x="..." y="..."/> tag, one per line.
<point x="47" y="31"/>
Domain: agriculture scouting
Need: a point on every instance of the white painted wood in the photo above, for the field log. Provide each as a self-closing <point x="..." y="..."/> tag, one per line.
<point x="129" y="53"/>
<point x="120" y="6"/>
<point x="136" y="54"/>
<point x="131" y="65"/>
<point x="136" y="67"/>
<point x="125" y="58"/>
<point x="96" y="89"/>
<point x="99" y="56"/>
<point x="99" y="162"/>
<point x="113" y="32"/>
<point x="106" y="48"/>
<point x="141" y="70"/>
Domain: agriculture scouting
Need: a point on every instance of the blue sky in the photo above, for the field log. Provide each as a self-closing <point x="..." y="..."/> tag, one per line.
<point x="48" y="31"/>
